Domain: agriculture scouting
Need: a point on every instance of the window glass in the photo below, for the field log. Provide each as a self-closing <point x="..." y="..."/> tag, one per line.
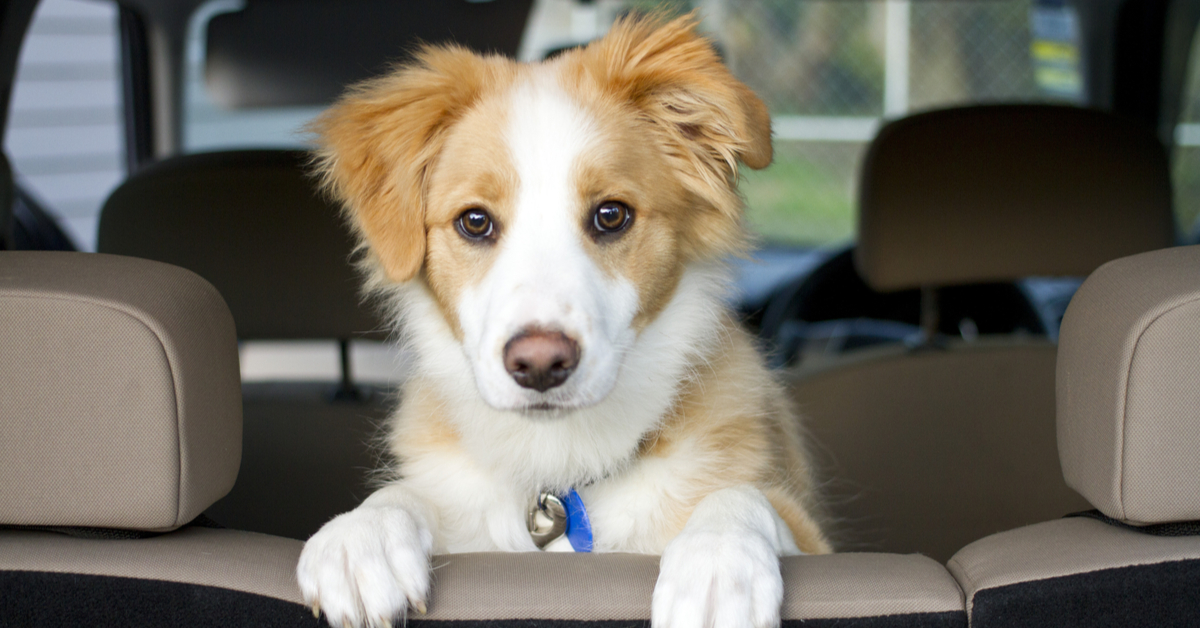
<point x="831" y="72"/>
<point x="64" y="134"/>
<point x="1185" y="158"/>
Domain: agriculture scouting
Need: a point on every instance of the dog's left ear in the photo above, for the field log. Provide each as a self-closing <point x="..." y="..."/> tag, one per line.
<point x="705" y="116"/>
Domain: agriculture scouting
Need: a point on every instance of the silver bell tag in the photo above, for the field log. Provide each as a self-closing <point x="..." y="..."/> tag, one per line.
<point x="547" y="519"/>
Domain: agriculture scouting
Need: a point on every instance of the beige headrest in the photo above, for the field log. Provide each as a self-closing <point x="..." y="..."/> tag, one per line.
<point x="120" y="397"/>
<point x="254" y="225"/>
<point x="1129" y="388"/>
<point x="1000" y="192"/>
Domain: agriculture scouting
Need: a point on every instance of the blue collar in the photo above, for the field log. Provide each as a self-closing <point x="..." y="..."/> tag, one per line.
<point x="579" y="527"/>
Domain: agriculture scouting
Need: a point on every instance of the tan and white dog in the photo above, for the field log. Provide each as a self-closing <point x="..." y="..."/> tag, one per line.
<point x="550" y="237"/>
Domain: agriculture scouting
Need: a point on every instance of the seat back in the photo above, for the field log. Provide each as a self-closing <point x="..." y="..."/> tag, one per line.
<point x="927" y="452"/>
<point x="933" y="445"/>
<point x="1128" y="395"/>
<point x="254" y="225"/>
<point x="120" y="422"/>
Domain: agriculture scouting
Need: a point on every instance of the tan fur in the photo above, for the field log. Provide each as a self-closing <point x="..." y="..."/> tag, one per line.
<point x="379" y="141"/>
<point x="408" y="153"/>
<point x="703" y="119"/>
<point x="731" y="422"/>
<point x="733" y="416"/>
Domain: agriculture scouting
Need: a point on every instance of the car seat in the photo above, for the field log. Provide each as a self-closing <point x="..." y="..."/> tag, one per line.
<point x="120" y="423"/>
<point x="253" y="224"/>
<point x="1128" y="396"/>
<point x="940" y="441"/>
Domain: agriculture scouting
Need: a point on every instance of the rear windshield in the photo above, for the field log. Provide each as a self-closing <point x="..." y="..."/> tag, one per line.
<point x="831" y="72"/>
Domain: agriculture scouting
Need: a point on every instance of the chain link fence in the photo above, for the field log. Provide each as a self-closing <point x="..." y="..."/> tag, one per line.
<point x="832" y="71"/>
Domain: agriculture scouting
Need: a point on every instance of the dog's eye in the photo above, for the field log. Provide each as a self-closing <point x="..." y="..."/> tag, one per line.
<point x="612" y="217"/>
<point x="475" y="224"/>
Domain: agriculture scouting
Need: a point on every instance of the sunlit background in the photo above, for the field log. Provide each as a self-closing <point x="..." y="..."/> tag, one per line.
<point x="832" y="71"/>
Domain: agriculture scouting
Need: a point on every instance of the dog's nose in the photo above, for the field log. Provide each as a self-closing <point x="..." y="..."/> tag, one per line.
<point x="540" y="359"/>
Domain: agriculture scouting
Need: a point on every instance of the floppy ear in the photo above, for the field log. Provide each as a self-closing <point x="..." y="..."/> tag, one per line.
<point x="376" y="144"/>
<point x="706" y="118"/>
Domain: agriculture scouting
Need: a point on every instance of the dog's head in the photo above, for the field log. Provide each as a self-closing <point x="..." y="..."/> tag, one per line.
<point x="550" y="209"/>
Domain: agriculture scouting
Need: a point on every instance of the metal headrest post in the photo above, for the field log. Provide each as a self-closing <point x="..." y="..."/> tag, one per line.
<point x="930" y="320"/>
<point x="346" y="390"/>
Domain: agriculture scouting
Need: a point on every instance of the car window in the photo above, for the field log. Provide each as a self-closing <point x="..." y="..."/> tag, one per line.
<point x="833" y="71"/>
<point x="64" y="134"/>
<point x="1185" y="157"/>
<point x="830" y="70"/>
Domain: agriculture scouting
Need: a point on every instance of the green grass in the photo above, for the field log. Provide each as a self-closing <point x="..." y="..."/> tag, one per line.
<point x="1187" y="188"/>
<point x="806" y="196"/>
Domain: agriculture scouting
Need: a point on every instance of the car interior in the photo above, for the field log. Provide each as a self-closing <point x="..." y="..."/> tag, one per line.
<point x="996" y="355"/>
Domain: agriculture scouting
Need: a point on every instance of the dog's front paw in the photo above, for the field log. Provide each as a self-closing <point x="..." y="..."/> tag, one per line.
<point x="720" y="579"/>
<point x="366" y="567"/>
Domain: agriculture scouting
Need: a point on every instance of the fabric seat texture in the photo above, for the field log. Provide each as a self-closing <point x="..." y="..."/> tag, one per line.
<point x="120" y="415"/>
<point x="932" y="446"/>
<point x="1128" y="395"/>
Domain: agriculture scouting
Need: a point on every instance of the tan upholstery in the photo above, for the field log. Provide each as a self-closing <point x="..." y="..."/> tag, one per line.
<point x="995" y="193"/>
<point x="119" y="392"/>
<point x="866" y="585"/>
<point x="1129" y="388"/>
<point x="494" y="585"/>
<point x="230" y="559"/>
<point x="619" y="586"/>
<point x="305" y="458"/>
<point x="253" y="224"/>
<point x="1060" y="548"/>
<point x="928" y="451"/>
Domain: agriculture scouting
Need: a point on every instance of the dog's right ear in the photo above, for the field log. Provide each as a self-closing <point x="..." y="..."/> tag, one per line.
<point x="377" y="143"/>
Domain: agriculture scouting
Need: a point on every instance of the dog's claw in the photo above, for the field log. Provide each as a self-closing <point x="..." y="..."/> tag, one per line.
<point x="345" y="623"/>
<point x="419" y="606"/>
<point x="384" y="623"/>
<point x="316" y="609"/>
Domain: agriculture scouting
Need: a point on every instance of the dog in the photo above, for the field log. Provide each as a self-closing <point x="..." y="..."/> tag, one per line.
<point x="549" y="238"/>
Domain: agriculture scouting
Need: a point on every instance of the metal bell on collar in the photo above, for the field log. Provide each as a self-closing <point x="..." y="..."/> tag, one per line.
<point x="547" y="519"/>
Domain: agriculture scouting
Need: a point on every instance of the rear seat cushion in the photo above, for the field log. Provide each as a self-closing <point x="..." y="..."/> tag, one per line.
<point x="193" y="577"/>
<point x="1080" y="572"/>
<point x="120" y="392"/>
<point x="231" y="559"/>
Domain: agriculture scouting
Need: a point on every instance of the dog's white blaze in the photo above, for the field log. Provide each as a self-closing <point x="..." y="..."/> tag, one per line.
<point x="543" y="277"/>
